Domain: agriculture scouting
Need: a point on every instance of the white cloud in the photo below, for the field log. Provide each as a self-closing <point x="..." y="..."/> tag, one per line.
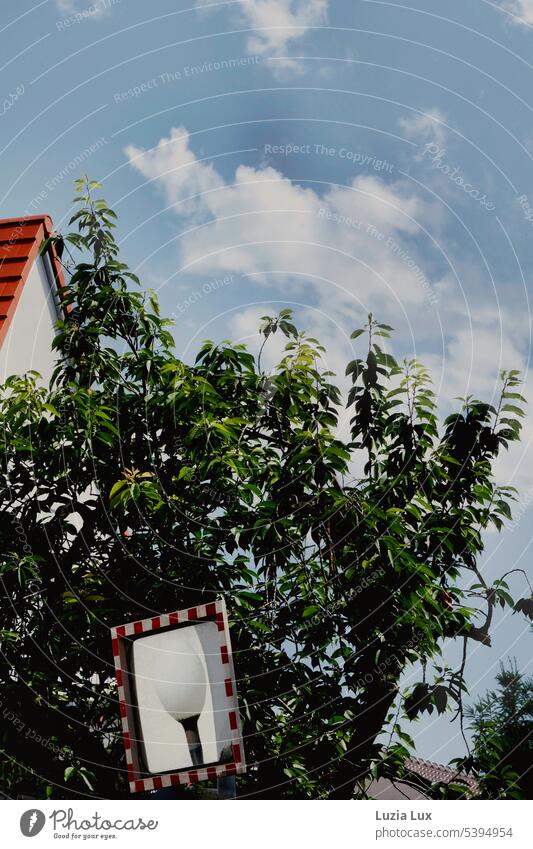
<point x="278" y="23"/>
<point x="173" y="165"/>
<point x="86" y="9"/>
<point x="262" y="224"/>
<point x="428" y="128"/>
<point x="523" y="9"/>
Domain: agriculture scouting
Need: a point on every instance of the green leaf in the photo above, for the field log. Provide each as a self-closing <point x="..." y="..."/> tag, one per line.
<point x="117" y="488"/>
<point x="511" y="408"/>
<point x="11" y="636"/>
<point x="525" y="606"/>
<point x="440" y="697"/>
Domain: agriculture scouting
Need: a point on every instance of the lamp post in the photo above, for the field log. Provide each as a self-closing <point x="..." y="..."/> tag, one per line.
<point x="182" y="688"/>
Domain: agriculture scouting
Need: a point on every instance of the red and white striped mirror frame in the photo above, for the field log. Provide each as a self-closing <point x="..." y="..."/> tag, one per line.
<point x="121" y="638"/>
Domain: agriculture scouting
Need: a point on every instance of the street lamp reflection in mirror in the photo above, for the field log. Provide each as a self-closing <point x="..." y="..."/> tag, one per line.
<point x="178" y="683"/>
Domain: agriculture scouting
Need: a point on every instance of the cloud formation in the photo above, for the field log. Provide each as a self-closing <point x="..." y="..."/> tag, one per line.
<point x="364" y="246"/>
<point x="263" y="224"/>
<point x="523" y="9"/>
<point x="87" y="10"/>
<point x="278" y="24"/>
<point x="428" y="128"/>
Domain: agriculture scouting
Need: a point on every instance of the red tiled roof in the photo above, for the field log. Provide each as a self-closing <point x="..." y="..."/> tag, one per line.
<point x="436" y="773"/>
<point x="20" y="240"/>
<point x="414" y="784"/>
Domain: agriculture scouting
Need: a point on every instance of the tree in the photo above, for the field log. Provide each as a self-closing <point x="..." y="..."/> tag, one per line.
<point x="137" y="483"/>
<point x="502" y="725"/>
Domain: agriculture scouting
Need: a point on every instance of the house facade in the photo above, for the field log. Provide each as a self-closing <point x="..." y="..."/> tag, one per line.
<point x="29" y="305"/>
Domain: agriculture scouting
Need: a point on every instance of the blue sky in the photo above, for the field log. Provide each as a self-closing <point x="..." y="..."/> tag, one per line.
<point x="328" y="155"/>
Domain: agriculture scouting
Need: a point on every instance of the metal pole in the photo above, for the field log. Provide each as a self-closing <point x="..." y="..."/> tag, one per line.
<point x="227" y="787"/>
<point x="226" y="784"/>
<point x="190" y="727"/>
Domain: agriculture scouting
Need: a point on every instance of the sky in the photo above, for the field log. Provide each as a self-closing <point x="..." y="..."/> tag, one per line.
<point x="332" y="156"/>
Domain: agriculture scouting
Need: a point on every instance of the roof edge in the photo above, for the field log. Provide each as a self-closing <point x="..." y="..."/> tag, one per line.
<point x="44" y="231"/>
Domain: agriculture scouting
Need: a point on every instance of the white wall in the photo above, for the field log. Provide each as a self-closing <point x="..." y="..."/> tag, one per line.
<point x="29" y="339"/>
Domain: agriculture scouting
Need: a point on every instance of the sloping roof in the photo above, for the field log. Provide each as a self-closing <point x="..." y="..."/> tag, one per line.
<point x="414" y="785"/>
<point x="435" y="773"/>
<point x="20" y="240"/>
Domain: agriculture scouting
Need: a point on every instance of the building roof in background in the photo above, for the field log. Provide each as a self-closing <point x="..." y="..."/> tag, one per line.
<point x="20" y="241"/>
<point x="419" y="776"/>
<point x="435" y="773"/>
